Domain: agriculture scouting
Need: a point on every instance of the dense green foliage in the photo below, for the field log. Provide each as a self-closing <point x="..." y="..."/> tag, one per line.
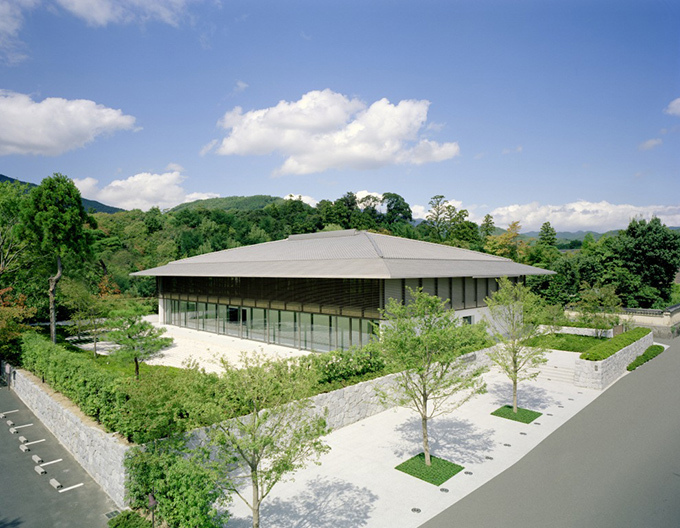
<point x="522" y="415"/>
<point x="639" y="263"/>
<point x="166" y="400"/>
<point x="186" y="484"/>
<point x="612" y="346"/>
<point x="437" y="473"/>
<point x="568" y="342"/>
<point x="129" y="519"/>
<point x="648" y="355"/>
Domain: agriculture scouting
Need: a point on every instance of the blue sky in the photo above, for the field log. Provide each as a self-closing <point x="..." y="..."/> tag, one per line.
<point x="567" y="111"/>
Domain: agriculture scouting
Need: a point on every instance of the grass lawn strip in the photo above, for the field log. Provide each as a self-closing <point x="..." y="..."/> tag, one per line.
<point x="439" y="472"/>
<point x="523" y="415"/>
<point x="567" y="342"/>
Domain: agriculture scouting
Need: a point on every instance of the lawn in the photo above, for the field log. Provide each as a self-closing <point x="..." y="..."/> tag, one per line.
<point x="568" y="342"/>
<point x="523" y="415"/>
<point x="439" y="472"/>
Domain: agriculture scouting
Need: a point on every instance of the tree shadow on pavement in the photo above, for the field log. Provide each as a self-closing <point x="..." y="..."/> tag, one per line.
<point x="528" y="396"/>
<point x="10" y="523"/>
<point x="450" y="438"/>
<point x="326" y="503"/>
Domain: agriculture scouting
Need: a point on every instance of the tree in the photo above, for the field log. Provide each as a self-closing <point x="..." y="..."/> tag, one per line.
<point x="487" y="228"/>
<point x="186" y="484"/>
<point x="12" y="244"/>
<point x="444" y="219"/>
<point x="547" y="236"/>
<point x="276" y="431"/>
<point x="515" y="316"/>
<point x="424" y="342"/>
<point x="506" y="245"/>
<point x="13" y="313"/>
<point x="53" y="221"/>
<point x="599" y="306"/>
<point x="651" y="251"/>
<point x="87" y="310"/>
<point x="137" y="339"/>
<point x="397" y="210"/>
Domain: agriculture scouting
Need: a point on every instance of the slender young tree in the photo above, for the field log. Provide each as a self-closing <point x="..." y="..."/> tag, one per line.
<point x="424" y="342"/>
<point x="276" y="431"/>
<point x="53" y="219"/>
<point x="516" y="314"/>
<point x="138" y="339"/>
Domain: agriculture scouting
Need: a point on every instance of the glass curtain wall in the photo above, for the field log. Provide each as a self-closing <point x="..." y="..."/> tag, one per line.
<point x="293" y="329"/>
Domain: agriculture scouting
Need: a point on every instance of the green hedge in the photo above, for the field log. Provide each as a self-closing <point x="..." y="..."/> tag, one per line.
<point x="162" y="402"/>
<point x="165" y="400"/>
<point x="613" y="345"/>
<point x="649" y="354"/>
<point x="129" y="519"/>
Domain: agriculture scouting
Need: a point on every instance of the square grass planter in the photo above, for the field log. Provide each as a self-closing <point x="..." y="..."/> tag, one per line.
<point x="523" y="415"/>
<point x="439" y="472"/>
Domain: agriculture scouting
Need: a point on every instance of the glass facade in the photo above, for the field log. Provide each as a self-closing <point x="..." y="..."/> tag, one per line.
<point x="307" y="331"/>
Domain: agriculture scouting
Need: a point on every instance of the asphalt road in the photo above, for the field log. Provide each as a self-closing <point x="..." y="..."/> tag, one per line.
<point x="614" y="465"/>
<point x="27" y="500"/>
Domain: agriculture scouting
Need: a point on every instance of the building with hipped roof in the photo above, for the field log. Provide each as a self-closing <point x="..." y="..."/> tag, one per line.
<point x="322" y="291"/>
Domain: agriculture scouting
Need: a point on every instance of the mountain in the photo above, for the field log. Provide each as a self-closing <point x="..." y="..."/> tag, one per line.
<point x="98" y="207"/>
<point x="231" y="203"/>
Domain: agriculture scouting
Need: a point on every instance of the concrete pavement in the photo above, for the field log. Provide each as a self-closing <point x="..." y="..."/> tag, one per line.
<point x="614" y="465"/>
<point x="27" y="500"/>
<point x="357" y="485"/>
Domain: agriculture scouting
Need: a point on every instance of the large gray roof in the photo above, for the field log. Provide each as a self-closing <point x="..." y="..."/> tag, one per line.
<point x="345" y="254"/>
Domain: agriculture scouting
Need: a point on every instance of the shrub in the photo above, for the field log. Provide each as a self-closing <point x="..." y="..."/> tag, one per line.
<point x="613" y="345"/>
<point x="129" y="519"/>
<point x="648" y="354"/>
<point x="341" y="365"/>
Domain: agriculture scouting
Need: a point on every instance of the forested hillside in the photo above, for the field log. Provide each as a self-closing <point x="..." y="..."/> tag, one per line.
<point x="639" y="263"/>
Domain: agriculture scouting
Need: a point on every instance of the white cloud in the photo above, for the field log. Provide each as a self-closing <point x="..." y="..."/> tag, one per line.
<point x="306" y="199"/>
<point x="239" y="87"/>
<point x="326" y="130"/>
<point x="674" y="107"/>
<point x="54" y="125"/>
<point x="142" y="191"/>
<point x="650" y="144"/>
<point x="93" y="12"/>
<point x="103" y="12"/>
<point x="582" y="215"/>
<point x="516" y="150"/>
<point x="11" y="22"/>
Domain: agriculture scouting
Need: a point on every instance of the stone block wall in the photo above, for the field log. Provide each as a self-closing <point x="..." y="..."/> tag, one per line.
<point x="100" y="453"/>
<point x="600" y="374"/>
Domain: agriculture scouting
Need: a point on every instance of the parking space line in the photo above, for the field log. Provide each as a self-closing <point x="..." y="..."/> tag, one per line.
<point x="2" y="414"/>
<point x="22" y="426"/>
<point x="70" y="488"/>
<point x="34" y="442"/>
<point x="51" y="462"/>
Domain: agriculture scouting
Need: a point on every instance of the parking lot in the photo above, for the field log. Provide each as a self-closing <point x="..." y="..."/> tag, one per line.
<point x="41" y="484"/>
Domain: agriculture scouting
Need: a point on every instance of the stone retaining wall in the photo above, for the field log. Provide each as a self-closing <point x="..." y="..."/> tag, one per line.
<point x="600" y="374"/>
<point x="100" y="453"/>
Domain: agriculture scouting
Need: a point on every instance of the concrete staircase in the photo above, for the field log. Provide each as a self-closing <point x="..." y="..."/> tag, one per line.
<point x="554" y="372"/>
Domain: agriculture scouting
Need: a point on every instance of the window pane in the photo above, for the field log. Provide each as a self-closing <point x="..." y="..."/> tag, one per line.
<point x="258" y="326"/>
<point x="210" y="324"/>
<point x="287" y="329"/>
<point x="321" y="332"/>
<point x="343" y="333"/>
<point x="305" y="331"/>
